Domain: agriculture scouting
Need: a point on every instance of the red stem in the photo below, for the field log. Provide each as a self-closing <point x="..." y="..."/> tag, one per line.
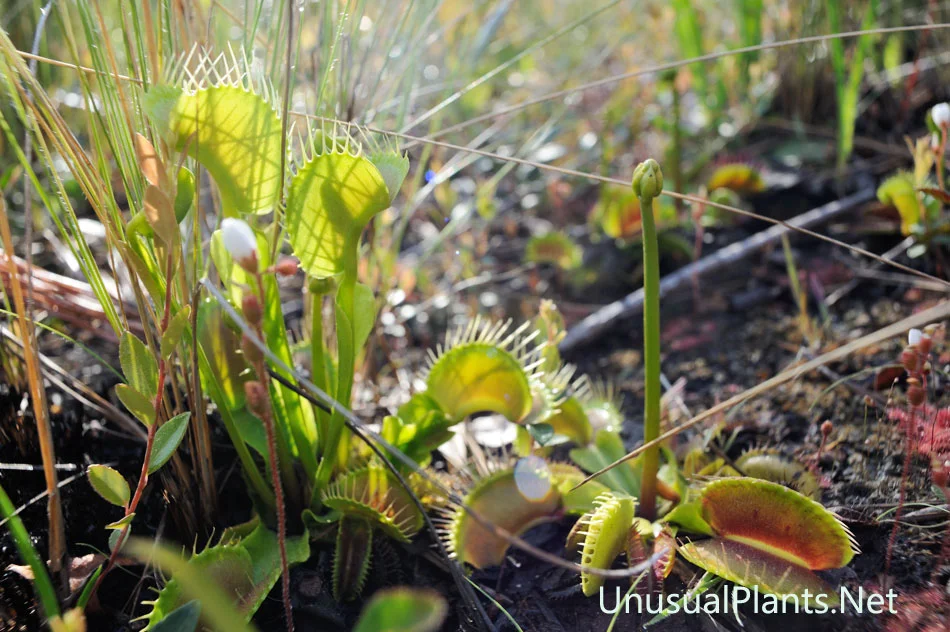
<point x="908" y="449"/>
<point x="266" y="417"/>
<point x="940" y="155"/>
<point x="150" y="440"/>
<point x="945" y="546"/>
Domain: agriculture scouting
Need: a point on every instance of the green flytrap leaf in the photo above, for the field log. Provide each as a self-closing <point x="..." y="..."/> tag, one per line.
<point x="230" y="579"/>
<point x="373" y="494"/>
<point x="777" y="520"/>
<point x="138" y="365"/>
<point x="571" y="421"/>
<point x="607" y="530"/>
<point x="138" y="404"/>
<point x="222" y="349"/>
<point x="502" y="499"/>
<point x="234" y="133"/>
<point x="331" y="199"/>
<point x="393" y="168"/>
<point x="751" y="567"/>
<point x="213" y="579"/>
<point x="482" y="368"/>
<point x="778" y="469"/>
<point x="577" y="500"/>
<point x="167" y="438"/>
<point x="899" y="191"/>
<point x="351" y="558"/>
<point x="768" y="536"/>
<point x="403" y="610"/>
<point x="554" y="248"/>
<point x="364" y="316"/>
<point x="109" y="484"/>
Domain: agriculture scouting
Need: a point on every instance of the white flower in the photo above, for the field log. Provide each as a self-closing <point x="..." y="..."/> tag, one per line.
<point x="941" y="114"/>
<point x="240" y="241"/>
<point x="914" y="336"/>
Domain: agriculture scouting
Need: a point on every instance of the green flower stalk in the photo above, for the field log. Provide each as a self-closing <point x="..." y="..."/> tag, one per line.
<point x="647" y="184"/>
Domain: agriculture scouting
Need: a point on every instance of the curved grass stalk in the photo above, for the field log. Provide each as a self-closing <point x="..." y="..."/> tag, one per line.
<point x="21" y="538"/>
<point x="44" y="431"/>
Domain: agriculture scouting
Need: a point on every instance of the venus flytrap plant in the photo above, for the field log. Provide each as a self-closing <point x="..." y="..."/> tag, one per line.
<point x="224" y="118"/>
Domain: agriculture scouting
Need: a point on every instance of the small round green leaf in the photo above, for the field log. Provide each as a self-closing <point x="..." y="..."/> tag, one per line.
<point x="167" y="438"/>
<point x="138" y="404"/>
<point x="109" y="484"/>
<point x="120" y="524"/>
<point x="116" y="540"/>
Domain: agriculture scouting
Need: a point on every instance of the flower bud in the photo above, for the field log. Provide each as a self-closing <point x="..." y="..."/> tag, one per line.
<point x="910" y="359"/>
<point x="322" y="286"/>
<point x="826" y="428"/>
<point x="914" y="336"/>
<point x="253" y="311"/>
<point x="287" y="267"/>
<point x="925" y="344"/>
<point x="256" y="394"/>
<point x="241" y="243"/>
<point x="941" y="115"/>
<point x="647" y="179"/>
